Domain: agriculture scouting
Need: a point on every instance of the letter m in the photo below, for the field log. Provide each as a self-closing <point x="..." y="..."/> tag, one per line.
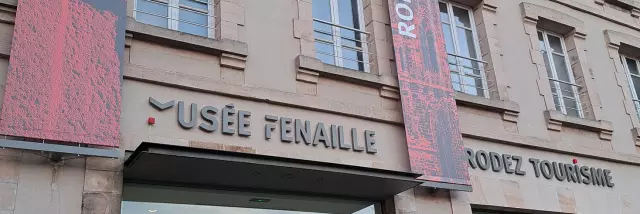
<point x="599" y="178"/>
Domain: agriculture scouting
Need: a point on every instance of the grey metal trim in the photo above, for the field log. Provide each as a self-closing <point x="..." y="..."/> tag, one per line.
<point x="439" y="185"/>
<point x="173" y="150"/>
<point x="174" y="165"/>
<point x="64" y="149"/>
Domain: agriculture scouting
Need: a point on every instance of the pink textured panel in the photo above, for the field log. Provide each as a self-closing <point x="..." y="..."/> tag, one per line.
<point x="64" y="77"/>
<point x="428" y="104"/>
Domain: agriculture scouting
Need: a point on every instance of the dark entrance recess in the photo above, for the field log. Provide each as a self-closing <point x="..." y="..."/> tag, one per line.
<point x="154" y="163"/>
<point x="479" y="209"/>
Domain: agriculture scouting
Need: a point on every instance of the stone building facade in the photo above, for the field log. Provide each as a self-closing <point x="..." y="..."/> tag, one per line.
<point x="545" y="80"/>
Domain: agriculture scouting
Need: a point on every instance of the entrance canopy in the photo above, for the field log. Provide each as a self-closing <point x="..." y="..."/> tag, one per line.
<point x="185" y="166"/>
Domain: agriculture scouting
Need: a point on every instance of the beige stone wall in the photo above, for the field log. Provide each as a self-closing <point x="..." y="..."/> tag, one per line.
<point x="262" y="61"/>
<point x="499" y="190"/>
<point x="392" y="151"/>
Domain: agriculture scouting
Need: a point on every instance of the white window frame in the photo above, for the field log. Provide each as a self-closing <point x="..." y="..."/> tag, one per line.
<point x="636" y="101"/>
<point x="174" y="14"/>
<point x="554" y="78"/>
<point x="476" y="43"/>
<point x="337" y="44"/>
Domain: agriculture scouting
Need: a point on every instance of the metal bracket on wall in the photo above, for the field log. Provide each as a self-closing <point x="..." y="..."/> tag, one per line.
<point x="60" y="149"/>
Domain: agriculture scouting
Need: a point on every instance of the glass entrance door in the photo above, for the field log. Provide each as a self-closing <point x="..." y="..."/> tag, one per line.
<point x="149" y="199"/>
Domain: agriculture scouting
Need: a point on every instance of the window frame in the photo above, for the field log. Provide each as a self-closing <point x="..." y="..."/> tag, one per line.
<point x="476" y="42"/>
<point x="634" y="95"/>
<point x="336" y="42"/>
<point x="173" y="12"/>
<point x="554" y="78"/>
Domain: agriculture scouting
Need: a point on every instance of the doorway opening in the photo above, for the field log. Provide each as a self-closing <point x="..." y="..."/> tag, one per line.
<point x="154" y="199"/>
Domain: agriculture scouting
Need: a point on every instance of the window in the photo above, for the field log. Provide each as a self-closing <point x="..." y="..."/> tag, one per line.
<point x="189" y="16"/>
<point x="477" y="211"/>
<point x="146" y="199"/>
<point x="631" y="66"/>
<point x="339" y="38"/>
<point x="563" y="86"/>
<point x="463" y="50"/>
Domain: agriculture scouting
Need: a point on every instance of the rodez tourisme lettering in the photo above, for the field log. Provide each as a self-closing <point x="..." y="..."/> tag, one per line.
<point x="512" y="164"/>
<point x="290" y="129"/>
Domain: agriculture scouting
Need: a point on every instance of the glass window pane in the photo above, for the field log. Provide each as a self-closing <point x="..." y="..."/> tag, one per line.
<point x="547" y="64"/>
<point x="555" y="44"/>
<point x="322" y="10"/>
<point x="632" y="65"/>
<point x="151" y="12"/>
<point x="193" y="17"/>
<point x="348" y="13"/>
<point x="444" y="13"/>
<point x="352" y="59"/>
<point x="556" y="101"/>
<point x="554" y="90"/>
<point x="541" y="41"/>
<point x="636" y="84"/>
<point x="453" y="63"/>
<point x="448" y="38"/>
<point x="471" y="67"/>
<point x="323" y="36"/>
<point x="147" y="199"/>
<point x="193" y="29"/>
<point x="455" y="81"/>
<point x="353" y="44"/>
<point x="466" y="43"/>
<point x="152" y="20"/>
<point x="368" y="210"/>
<point x="153" y="7"/>
<point x="473" y="85"/>
<point x="323" y="31"/>
<point x="571" y="106"/>
<point x="462" y="17"/>
<point x="561" y="68"/>
<point x="567" y="90"/>
<point x="325" y="52"/>
<point x="201" y="5"/>
<point x="349" y="35"/>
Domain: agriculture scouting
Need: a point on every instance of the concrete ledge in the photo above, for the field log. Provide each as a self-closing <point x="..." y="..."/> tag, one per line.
<point x="388" y="86"/>
<point x="599" y="13"/>
<point x="344" y="74"/>
<point x="635" y="132"/>
<point x="623" y="43"/>
<point x="486" y="104"/>
<point x="556" y="120"/>
<point x="627" y="4"/>
<point x="552" y="19"/>
<point x="390" y="93"/>
<point x="233" y="61"/>
<point x="177" y="39"/>
<point x="468" y="3"/>
<point x="307" y="76"/>
<point x="509" y="109"/>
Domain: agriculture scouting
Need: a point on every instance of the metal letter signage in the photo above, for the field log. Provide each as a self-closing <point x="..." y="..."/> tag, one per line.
<point x="64" y="75"/>
<point x="563" y="172"/>
<point x="231" y="122"/>
<point x="428" y="104"/>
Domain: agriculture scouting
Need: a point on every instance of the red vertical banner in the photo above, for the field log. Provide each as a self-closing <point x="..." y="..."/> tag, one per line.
<point x="429" y="108"/>
<point x="64" y="76"/>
